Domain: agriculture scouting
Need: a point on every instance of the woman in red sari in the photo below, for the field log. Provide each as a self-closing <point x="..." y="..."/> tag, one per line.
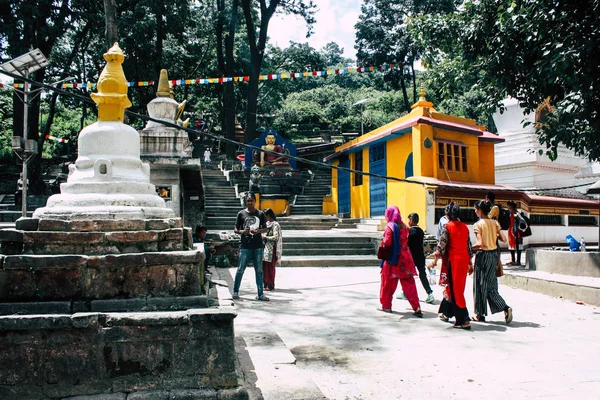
<point x="399" y="266"/>
<point x="454" y="247"/>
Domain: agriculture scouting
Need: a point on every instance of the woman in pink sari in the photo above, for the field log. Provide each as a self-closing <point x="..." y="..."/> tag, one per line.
<point x="399" y="265"/>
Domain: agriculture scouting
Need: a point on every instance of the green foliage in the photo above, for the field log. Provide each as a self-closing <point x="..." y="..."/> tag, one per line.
<point x="530" y="50"/>
<point x="6" y="128"/>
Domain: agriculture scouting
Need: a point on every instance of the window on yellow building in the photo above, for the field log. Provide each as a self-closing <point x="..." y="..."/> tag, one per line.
<point x="358" y="166"/>
<point x="452" y="156"/>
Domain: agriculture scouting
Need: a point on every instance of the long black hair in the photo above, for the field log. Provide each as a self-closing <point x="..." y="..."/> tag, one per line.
<point x="269" y="213"/>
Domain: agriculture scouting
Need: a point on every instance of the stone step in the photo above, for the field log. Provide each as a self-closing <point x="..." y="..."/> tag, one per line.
<point x="331" y="240"/>
<point x="292" y="245"/>
<point x="330" y="261"/>
<point x="328" y="252"/>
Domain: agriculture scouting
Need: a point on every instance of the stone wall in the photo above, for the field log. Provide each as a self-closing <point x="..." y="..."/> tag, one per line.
<point x="58" y="356"/>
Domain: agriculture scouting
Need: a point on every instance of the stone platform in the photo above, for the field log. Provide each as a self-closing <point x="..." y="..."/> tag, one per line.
<point x="129" y="355"/>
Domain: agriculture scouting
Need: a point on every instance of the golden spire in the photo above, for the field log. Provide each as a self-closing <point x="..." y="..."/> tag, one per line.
<point x="422" y="100"/>
<point x="163" y="89"/>
<point x="422" y="93"/>
<point x="112" y="97"/>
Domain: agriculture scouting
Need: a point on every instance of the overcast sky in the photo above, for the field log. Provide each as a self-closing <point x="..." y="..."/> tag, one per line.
<point x="335" y="23"/>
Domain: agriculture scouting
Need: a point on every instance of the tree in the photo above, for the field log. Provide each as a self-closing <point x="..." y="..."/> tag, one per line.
<point x="383" y="38"/>
<point x="29" y="25"/>
<point x="257" y="40"/>
<point x="110" y="15"/>
<point x="531" y="51"/>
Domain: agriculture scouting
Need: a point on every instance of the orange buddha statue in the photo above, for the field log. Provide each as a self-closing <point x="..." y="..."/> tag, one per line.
<point x="268" y="159"/>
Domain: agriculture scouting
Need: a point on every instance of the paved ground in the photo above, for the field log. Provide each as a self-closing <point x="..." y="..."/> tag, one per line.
<point x="325" y="320"/>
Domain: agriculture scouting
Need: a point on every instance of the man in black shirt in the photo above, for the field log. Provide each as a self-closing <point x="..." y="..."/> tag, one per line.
<point x="415" y="244"/>
<point x="250" y="224"/>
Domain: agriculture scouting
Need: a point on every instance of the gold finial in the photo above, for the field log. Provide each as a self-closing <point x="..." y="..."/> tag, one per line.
<point x="112" y="97"/>
<point x="163" y="85"/>
<point x="422" y="93"/>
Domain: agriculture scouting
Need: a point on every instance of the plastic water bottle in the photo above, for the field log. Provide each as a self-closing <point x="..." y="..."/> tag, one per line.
<point x="582" y="244"/>
<point x="432" y="276"/>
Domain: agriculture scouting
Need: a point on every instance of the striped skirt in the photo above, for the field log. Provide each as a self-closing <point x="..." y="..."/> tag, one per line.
<point x="485" y="289"/>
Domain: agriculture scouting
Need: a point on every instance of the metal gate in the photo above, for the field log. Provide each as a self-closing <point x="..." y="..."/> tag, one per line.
<point x="344" y="188"/>
<point x="378" y="186"/>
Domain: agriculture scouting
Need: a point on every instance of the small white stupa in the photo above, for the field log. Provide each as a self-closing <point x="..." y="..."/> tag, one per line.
<point x="108" y="180"/>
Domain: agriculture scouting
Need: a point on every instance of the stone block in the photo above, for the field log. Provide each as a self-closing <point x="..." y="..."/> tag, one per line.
<point x="170" y="245"/>
<point x="176" y="303"/>
<point x="109" y="225"/>
<point x="105" y="396"/>
<point x="46" y="307"/>
<point x="176" y="223"/>
<point x="132" y="237"/>
<point x="81" y="307"/>
<point x="188" y="279"/>
<point x="171" y="234"/>
<point x="162" y="280"/>
<point x="60" y="284"/>
<point x="177" y="394"/>
<point x="146" y="247"/>
<point x="118" y="305"/>
<point x="11" y="235"/>
<point x="45" y="262"/>
<point x="69" y="238"/>
<point x="103" y="283"/>
<point x="22" y="285"/>
<point x="188" y="240"/>
<point x="53" y="225"/>
<point x="27" y="224"/>
<point x="157" y="224"/>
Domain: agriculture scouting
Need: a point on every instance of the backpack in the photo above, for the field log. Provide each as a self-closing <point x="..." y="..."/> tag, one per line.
<point x="503" y="217"/>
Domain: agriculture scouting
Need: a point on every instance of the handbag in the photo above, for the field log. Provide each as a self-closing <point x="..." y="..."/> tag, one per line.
<point x="499" y="269"/>
<point x="383" y="252"/>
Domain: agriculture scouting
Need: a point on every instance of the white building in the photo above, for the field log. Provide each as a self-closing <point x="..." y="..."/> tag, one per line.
<point x="520" y="164"/>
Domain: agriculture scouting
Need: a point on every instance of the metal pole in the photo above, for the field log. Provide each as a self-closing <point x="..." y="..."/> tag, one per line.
<point x="25" y="157"/>
<point x="362" y="127"/>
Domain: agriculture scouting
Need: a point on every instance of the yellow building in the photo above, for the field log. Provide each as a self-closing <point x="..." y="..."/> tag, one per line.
<point x="420" y="153"/>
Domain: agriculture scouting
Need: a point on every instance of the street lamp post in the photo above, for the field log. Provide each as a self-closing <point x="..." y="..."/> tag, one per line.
<point x="25" y="148"/>
<point x="362" y="105"/>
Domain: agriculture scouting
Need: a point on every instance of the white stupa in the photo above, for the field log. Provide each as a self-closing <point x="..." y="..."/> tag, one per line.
<point x="108" y="180"/>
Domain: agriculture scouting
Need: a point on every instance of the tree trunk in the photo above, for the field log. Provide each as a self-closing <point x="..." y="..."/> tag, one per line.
<point x="404" y="92"/>
<point x="229" y="92"/>
<point x="110" y="20"/>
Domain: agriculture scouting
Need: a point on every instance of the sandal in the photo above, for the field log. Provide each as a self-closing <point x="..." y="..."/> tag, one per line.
<point x="466" y="326"/>
<point x="478" y="318"/>
<point x="508" y="316"/>
<point x="418" y="314"/>
<point x="262" y="298"/>
<point x="443" y="317"/>
<point x="386" y="310"/>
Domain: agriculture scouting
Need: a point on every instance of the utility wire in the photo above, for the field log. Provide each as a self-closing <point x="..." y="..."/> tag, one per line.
<point x="304" y="160"/>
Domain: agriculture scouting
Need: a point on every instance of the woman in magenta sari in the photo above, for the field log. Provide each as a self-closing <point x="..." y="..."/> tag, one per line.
<point x="454" y="247"/>
<point x="399" y="266"/>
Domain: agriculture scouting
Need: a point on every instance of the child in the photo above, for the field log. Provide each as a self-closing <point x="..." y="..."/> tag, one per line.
<point x="415" y="243"/>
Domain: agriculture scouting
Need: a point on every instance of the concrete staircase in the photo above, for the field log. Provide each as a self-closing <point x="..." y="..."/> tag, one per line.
<point x="372" y="224"/>
<point x="329" y="249"/>
<point x="311" y="201"/>
<point x="221" y="204"/>
<point x="9" y="213"/>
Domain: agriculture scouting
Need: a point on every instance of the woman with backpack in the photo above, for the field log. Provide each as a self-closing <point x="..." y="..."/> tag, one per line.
<point x="515" y="233"/>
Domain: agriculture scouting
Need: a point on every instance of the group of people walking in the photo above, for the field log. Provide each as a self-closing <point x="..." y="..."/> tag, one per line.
<point x="459" y="258"/>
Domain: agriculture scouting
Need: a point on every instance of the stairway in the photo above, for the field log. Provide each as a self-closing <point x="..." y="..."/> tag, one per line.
<point x="220" y="203"/>
<point x="9" y="212"/>
<point x="326" y="249"/>
<point x="311" y="201"/>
